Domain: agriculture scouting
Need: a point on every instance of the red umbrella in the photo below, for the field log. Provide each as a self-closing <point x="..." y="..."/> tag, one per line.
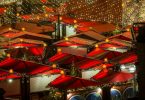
<point x="116" y="77"/>
<point x="69" y="82"/>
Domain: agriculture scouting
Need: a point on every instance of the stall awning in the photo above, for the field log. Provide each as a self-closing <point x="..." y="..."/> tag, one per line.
<point x="21" y="66"/>
<point x="69" y="82"/>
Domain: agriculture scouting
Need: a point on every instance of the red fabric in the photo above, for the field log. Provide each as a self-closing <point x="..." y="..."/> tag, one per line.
<point x="116" y="77"/>
<point x="66" y="44"/>
<point x="6" y="75"/>
<point x="50" y="72"/>
<point x="37" y="51"/>
<point x="58" y="56"/>
<point x="111" y="54"/>
<point x="21" y="66"/>
<point x="86" y="64"/>
<point x="128" y="59"/>
<point x="69" y="82"/>
<point x="101" y="74"/>
<point x="108" y="45"/>
<point x="83" y="29"/>
<point x="117" y="42"/>
<point x="95" y="52"/>
<point x="121" y="37"/>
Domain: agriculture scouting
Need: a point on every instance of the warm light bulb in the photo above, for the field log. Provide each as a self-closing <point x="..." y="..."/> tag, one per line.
<point x="75" y="26"/>
<point x="10" y="29"/>
<point x="96" y="45"/>
<point x="104" y="66"/>
<point x="75" y="21"/>
<point x="11" y="71"/>
<point x="18" y="14"/>
<point x="44" y="44"/>
<point x="59" y="50"/>
<point x="21" y="40"/>
<point x="90" y="28"/>
<point x="23" y="29"/>
<point x="66" y="38"/>
<point x="5" y="10"/>
<point x="54" y="66"/>
<point x="60" y="18"/>
<point x="46" y="15"/>
<point x="105" y="60"/>
<point x="107" y="40"/>
<point x="62" y="72"/>
<point x="8" y="55"/>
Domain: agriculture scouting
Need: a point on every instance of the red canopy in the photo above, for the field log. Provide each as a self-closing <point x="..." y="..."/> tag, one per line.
<point x="116" y="77"/>
<point x="69" y="82"/>
<point x="21" y="66"/>
<point x="96" y="52"/>
<point x="6" y="75"/>
<point x="59" y="56"/>
<point x="67" y="43"/>
<point x="88" y="63"/>
<point x="128" y="59"/>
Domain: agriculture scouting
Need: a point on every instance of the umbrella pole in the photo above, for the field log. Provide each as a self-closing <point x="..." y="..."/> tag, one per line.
<point x="25" y="88"/>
